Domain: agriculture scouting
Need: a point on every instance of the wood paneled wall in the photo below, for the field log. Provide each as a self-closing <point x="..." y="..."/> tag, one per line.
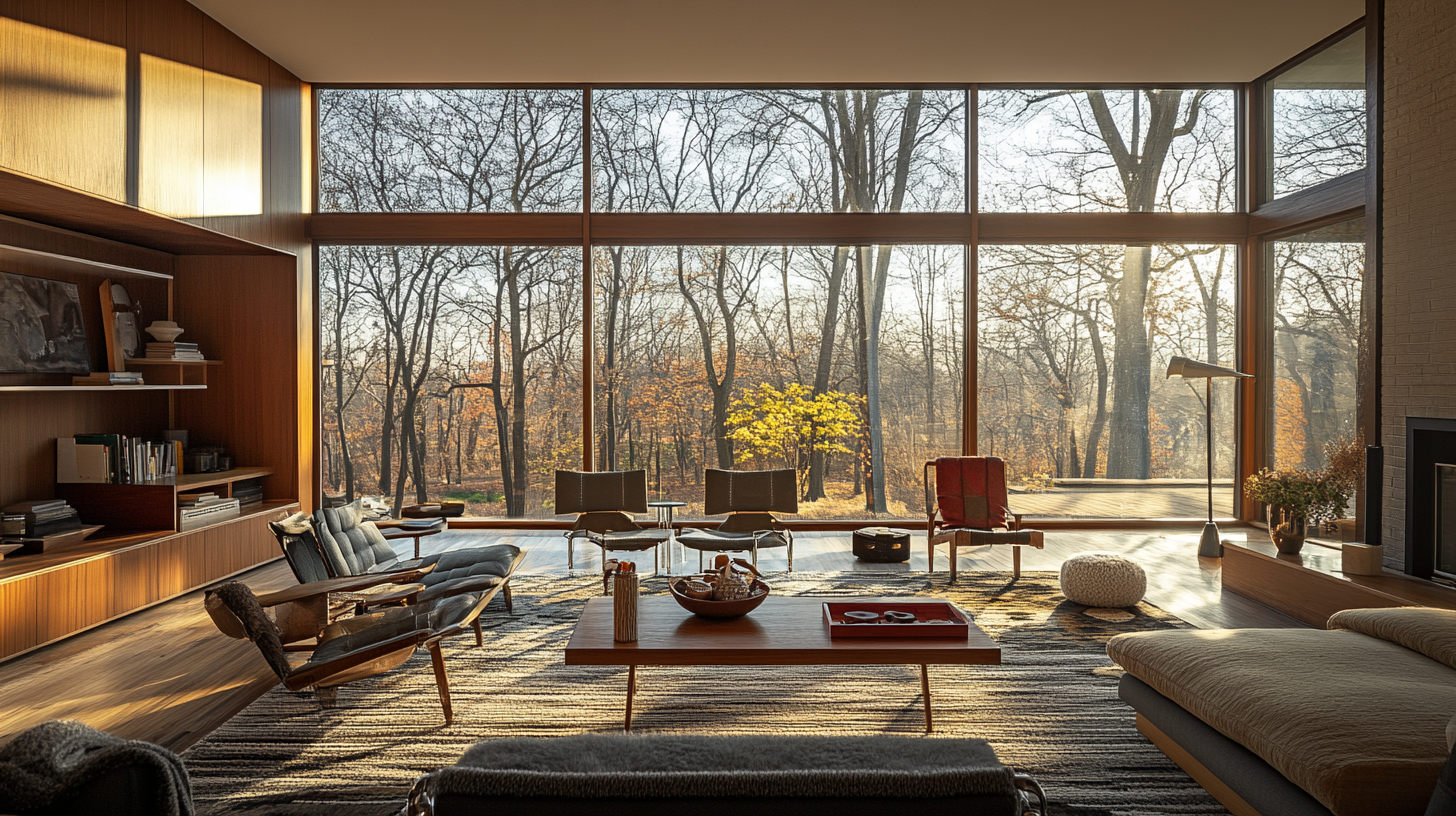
<point x="251" y="402"/>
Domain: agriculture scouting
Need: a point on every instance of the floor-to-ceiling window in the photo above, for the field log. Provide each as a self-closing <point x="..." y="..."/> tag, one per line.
<point x="845" y="282"/>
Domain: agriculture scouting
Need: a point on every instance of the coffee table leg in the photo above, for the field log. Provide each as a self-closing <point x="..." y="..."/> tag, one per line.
<point x="631" y="689"/>
<point x="925" y="692"/>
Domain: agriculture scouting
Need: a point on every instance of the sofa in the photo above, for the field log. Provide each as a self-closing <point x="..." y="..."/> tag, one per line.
<point x="1353" y="720"/>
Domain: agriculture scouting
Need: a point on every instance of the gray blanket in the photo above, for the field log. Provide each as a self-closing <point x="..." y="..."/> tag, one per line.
<point x="45" y="766"/>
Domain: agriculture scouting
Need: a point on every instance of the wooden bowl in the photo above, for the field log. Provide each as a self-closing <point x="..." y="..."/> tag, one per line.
<point x="719" y="609"/>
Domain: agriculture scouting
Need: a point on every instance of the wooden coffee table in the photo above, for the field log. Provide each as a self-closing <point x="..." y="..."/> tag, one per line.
<point x="784" y="631"/>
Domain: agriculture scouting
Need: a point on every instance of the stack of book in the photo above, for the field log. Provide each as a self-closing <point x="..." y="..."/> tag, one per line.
<point x="176" y="352"/>
<point x="127" y="460"/>
<point x="198" y="509"/>
<point x="43" y="517"/>
<point x="109" y="378"/>
<point x="249" y="492"/>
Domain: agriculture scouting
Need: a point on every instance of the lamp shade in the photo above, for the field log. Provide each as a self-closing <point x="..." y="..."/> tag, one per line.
<point x="1194" y="370"/>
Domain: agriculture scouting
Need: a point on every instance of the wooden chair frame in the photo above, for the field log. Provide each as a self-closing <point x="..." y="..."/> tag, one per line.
<point x="937" y="531"/>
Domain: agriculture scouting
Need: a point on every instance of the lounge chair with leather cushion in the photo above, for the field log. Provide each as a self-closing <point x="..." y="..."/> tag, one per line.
<point x="351" y="545"/>
<point x="604" y="502"/>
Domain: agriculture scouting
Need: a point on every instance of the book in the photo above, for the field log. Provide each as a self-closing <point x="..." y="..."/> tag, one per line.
<point x="86" y="464"/>
<point x="36" y="506"/>
<point x="116" y="378"/>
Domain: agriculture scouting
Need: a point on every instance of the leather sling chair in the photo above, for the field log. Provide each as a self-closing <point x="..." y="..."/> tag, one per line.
<point x="604" y="503"/>
<point x="965" y="505"/>
<point x="750" y="498"/>
<point x="348" y="649"/>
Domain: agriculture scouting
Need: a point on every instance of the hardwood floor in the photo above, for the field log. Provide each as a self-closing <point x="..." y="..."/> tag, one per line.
<point x="167" y="675"/>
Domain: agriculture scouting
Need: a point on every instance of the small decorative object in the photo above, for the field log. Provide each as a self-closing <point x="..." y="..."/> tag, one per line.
<point x="1103" y="579"/>
<point x="1294" y="499"/>
<point x="120" y="318"/>
<point x="624" y="603"/>
<point x="41" y="330"/>
<point x="700" y="594"/>
<point x="164" y="331"/>
<point x="896" y="619"/>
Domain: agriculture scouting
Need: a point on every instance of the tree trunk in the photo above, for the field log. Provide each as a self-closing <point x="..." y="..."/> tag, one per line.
<point x="824" y="366"/>
<point x="518" y="384"/>
<point x="1129" y="453"/>
<point x="1099" y="420"/>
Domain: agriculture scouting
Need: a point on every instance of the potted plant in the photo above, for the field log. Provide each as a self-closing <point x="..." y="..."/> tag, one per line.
<point x="1295" y="498"/>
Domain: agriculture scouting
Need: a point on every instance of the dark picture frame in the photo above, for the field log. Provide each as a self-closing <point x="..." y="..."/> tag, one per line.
<point x="42" y="328"/>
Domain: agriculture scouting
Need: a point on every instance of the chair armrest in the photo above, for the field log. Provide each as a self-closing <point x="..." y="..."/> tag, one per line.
<point x="310" y="672"/>
<point x="347" y="583"/>
<point x="407" y="593"/>
<point x="1015" y="517"/>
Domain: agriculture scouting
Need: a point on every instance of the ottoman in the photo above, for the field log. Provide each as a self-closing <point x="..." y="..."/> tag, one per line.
<point x="695" y="775"/>
<point x="881" y="544"/>
<point x="1103" y="579"/>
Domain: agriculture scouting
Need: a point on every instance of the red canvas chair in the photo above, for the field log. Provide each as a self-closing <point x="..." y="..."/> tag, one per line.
<point x="969" y="496"/>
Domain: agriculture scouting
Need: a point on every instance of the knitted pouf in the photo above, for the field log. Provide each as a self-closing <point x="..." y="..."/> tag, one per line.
<point x="1103" y="579"/>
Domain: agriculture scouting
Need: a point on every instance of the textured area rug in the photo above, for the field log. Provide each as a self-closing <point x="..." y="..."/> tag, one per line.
<point x="1050" y="710"/>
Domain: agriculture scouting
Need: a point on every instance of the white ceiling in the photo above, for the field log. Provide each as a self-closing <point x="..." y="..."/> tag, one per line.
<point x="781" y="41"/>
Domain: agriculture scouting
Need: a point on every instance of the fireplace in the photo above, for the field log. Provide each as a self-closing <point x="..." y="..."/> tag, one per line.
<point x="1430" y="497"/>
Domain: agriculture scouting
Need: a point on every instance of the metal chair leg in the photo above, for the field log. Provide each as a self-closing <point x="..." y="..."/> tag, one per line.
<point x="569" y="552"/>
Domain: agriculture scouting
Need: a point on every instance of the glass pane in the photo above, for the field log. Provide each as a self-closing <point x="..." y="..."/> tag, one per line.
<point x="1107" y="151"/>
<point x="1317" y="117"/>
<point x="449" y="150"/>
<point x="753" y="357"/>
<point x="714" y="150"/>
<point x="1316" y="283"/>
<point x="451" y="373"/>
<point x="1074" y="343"/>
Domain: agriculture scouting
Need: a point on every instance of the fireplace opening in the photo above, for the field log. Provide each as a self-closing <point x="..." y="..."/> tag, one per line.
<point x="1430" y="498"/>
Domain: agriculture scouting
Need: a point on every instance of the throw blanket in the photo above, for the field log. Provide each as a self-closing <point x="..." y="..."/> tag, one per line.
<point x="53" y="760"/>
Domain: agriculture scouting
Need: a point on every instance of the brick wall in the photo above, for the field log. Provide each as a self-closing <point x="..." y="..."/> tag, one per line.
<point x="1419" y="211"/>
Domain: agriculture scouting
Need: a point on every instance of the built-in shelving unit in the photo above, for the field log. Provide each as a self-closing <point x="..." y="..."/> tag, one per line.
<point x="240" y="302"/>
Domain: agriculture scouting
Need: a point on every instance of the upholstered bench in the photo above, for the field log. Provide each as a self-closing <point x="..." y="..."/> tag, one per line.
<point x="626" y="775"/>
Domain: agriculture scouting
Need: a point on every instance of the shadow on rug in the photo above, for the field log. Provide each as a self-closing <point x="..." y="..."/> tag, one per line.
<point x="1051" y="708"/>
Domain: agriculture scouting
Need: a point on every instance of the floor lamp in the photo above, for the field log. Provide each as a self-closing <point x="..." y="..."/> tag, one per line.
<point x="1208" y="545"/>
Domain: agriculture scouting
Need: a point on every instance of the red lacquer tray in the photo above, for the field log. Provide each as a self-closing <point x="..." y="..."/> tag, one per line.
<point x="956" y="623"/>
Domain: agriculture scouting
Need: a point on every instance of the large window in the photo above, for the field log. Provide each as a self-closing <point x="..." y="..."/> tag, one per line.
<point x="777" y="278"/>
<point x="843" y="363"/>
<point x="1105" y="151"/>
<point x="1315" y="283"/>
<point x="449" y="150"/>
<point x="708" y="150"/>
<point x="1074" y="341"/>
<point x="1316" y="114"/>
<point x="454" y="373"/>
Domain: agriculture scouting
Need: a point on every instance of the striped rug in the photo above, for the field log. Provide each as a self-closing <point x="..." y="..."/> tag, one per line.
<point x="1050" y="710"/>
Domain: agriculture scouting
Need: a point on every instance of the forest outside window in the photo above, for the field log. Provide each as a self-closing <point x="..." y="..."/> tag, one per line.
<point x="1143" y="150"/>
<point x="733" y="151"/>
<point x="842" y="363"/>
<point x="1316" y="281"/>
<point x="455" y="373"/>
<point x="449" y="150"/>
<point x="1074" y="341"/>
<point x="1316" y="114"/>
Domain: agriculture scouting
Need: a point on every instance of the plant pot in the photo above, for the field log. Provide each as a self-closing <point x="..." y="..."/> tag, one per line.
<point x="1286" y="530"/>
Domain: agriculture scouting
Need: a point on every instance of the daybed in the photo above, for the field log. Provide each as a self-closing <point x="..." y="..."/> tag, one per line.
<point x="1350" y="721"/>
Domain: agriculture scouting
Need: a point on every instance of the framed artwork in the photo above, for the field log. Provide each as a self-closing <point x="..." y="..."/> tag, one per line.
<point x="41" y="328"/>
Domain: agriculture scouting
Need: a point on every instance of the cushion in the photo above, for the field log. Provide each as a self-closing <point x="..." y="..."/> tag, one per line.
<point x="1103" y="579"/>
<point x="350" y="544"/>
<point x="1356" y="721"/>
<point x="971" y="491"/>
<point x="472" y="570"/>
<point x="719" y="541"/>
<point x="1432" y="632"/>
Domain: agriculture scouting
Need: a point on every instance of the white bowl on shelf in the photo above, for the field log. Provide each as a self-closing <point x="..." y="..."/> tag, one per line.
<point x="164" y="331"/>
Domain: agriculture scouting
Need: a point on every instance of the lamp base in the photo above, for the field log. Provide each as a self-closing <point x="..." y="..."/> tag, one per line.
<point x="1208" y="545"/>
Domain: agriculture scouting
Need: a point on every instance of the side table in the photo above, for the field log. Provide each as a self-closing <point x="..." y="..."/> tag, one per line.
<point x="664" y="520"/>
